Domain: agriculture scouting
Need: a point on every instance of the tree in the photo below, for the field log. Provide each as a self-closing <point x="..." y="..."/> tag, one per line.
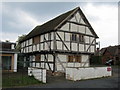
<point x="18" y="46"/>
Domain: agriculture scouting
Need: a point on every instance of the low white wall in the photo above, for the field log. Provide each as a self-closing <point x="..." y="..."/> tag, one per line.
<point x="38" y="73"/>
<point x="87" y="73"/>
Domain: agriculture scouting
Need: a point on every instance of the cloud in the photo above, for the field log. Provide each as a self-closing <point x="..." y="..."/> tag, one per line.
<point x="104" y="19"/>
<point x="21" y="18"/>
<point x="7" y="36"/>
<point x="18" y="19"/>
<point x="16" y="22"/>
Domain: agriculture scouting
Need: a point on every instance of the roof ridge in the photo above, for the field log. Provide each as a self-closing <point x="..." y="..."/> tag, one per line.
<point x="74" y="10"/>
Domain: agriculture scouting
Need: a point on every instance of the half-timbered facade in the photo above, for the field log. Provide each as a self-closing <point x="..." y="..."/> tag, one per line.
<point x="65" y="41"/>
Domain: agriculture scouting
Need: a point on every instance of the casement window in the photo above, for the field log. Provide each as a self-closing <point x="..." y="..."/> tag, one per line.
<point x="81" y="38"/>
<point x="74" y="37"/>
<point x="74" y="58"/>
<point x="77" y="38"/>
<point x="70" y="58"/>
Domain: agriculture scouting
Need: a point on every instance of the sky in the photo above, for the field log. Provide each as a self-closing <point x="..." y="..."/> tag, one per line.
<point x="20" y="18"/>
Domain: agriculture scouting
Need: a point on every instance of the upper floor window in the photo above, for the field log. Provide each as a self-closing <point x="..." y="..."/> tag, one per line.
<point x="74" y="37"/>
<point x="77" y="38"/>
<point x="81" y="38"/>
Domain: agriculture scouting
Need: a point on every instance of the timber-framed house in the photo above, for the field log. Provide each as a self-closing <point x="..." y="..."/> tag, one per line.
<point x="65" y="41"/>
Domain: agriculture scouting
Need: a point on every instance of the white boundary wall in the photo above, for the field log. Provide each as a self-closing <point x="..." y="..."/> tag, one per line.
<point x="38" y="73"/>
<point x="87" y="73"/>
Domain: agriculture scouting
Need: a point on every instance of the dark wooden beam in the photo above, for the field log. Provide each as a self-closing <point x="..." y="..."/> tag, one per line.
<point x="78" y="23"/>
<point x="75" y="33"/>
<point x="90" y="44"/>
<point x="62" y="41"/>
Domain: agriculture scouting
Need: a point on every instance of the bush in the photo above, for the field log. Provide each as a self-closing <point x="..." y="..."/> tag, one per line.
<point x="96" y="60"/>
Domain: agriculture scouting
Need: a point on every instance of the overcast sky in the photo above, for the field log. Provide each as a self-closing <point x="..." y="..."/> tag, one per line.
<point x="21" y="17"/>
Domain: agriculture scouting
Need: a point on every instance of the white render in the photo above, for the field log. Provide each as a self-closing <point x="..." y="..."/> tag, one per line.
<point x="87" y="73"/>
<point x="12" y="46"/>
<point x="15" y="63"/>
<point x="65" y="27"/>
<point x="38" y="73"/>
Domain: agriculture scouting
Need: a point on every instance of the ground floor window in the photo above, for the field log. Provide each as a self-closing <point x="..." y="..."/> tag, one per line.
<point x="74" y="58"/>
<point x="6" y="62"/>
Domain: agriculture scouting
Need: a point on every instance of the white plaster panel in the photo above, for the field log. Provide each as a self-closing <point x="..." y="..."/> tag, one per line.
<point x="42" y="38"/>
<point x="63" y="58"/>
<point x="30" y="48"/>
<point x="68" y="45"/>
<point x="46" y="46"/>
<point x="78" y="16"/>
<point x="26" y="49"/>
<point x="86" y="39"/>
<point x="41" y="46"/>
<point x="42" y="57"/>
<point x="26" y="42"/>
<point x="47" y="67"/>
<point x="81" y="29"/>
<point x="81" y="47"/>
<point x="92" y="48"/>
<point x="21" y="50"/>
<point x="52" y="35"/>
<point x="65" y="27"/>
<point x="73" y="19"/>
<point x="46" y="36"/>
<point x="51" y="65"/>
<point x="88" y="31"/>
<point x="51" y="44"/>
<point x="91" y="39"/>
<point x="59" y="45"/>
<point x="50" y="57"/>
<point x="61" y="34"/>
<point x="74" y="27"/>
<point x="67" y="36"/>
<point x="74" y="47"/>
<point x="87" y="46"/>
<point x="82" y="22"/>
<point x="21" y="44"/>
<point x="34" y="47"/>
<point x="30" y="41"/>
<point x="38" y="47"/>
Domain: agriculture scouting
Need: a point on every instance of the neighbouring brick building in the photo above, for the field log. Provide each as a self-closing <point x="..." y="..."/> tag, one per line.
<point x="111" y="52"/>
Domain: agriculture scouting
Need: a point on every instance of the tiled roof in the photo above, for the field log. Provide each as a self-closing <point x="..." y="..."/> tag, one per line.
<point x="55" y="23"/>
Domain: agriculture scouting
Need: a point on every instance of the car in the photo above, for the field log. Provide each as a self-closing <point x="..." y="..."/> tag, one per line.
<point x="109" y="62"/>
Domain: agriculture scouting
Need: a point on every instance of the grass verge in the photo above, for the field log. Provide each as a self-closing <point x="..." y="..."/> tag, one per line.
<point x="17" y="79"/>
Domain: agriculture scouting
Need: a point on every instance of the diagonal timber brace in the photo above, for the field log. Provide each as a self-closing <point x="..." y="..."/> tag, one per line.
<point x="47" y="62"/>
<point x="90" y="44"/>
<point x="62" y="41"/>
